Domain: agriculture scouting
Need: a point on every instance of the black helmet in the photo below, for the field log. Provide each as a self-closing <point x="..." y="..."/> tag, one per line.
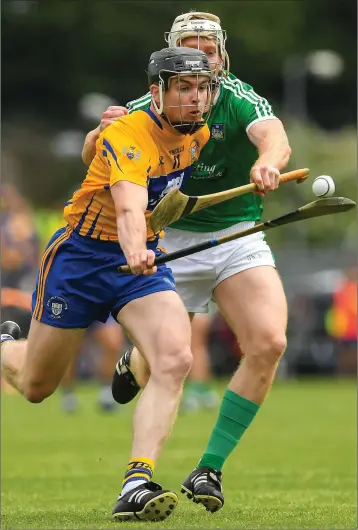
<point x="167" y="62"/>
<point x="180" y="61"/>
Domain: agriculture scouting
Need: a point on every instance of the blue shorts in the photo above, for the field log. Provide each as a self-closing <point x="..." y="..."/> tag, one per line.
<point x="78" y="282"/>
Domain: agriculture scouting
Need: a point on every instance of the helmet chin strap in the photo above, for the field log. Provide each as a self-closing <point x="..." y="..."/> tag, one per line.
<point x="161" y="101"/>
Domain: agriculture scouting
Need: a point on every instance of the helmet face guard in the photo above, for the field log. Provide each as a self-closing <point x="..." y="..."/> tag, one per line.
<point x="170" y="64"/>
<point x="198" y="24"/>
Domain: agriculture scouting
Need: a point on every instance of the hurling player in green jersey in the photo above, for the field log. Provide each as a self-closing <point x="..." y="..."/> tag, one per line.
<point x="248" y="144"/>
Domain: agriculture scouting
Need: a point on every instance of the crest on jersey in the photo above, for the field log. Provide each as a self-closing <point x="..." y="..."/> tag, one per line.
<point x="218" y="131"/>
<point x="193" y="150"/>
<point x="131" y="152"/>
<point x="57" y="305"/>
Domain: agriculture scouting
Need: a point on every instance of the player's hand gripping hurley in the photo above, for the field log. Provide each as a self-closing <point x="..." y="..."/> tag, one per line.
<point x="176" y="204"/>
<point x="318" y="208"/>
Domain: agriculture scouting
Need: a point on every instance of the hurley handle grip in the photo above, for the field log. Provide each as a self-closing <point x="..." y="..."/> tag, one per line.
<point x="124" y="268"/>
<point x="298" y="174"/>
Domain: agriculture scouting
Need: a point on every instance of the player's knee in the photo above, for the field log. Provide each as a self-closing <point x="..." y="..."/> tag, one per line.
<point x="36" y="393"/>
<point x="185" y="361"/>
<point x="270" y="348"/>
<point x="175" y="364"/>
<point x="275" y="346"/>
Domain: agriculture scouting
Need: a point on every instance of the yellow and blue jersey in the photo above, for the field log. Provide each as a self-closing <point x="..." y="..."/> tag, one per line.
<point x="78" y="281"/>
<point x="140" y="149"/>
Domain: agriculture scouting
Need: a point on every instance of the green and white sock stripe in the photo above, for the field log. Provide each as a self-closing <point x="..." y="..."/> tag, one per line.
<point x="136" y="104"/>
<point x="263" y="108"/>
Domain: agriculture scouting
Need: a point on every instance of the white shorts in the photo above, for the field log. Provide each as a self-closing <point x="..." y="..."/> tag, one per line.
<point x="197" y="275"/>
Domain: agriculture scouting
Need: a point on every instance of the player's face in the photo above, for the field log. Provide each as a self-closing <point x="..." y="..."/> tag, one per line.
<point x="187" y="98"/>
<point x="209" y="47"/>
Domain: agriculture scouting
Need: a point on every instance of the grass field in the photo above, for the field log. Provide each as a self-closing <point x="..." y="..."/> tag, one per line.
<point x="295" y="468"/>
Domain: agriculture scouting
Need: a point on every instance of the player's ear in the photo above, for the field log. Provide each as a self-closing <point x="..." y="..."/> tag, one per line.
<point x="154" y="90"/>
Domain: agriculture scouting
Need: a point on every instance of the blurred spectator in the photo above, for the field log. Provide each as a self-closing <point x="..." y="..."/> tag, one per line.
<point x="198" y="391"/>
<point x="48" y="221"/>
<point x="20" y="253"/>
<point x="16" y="306"/>
<point x="225" y="352"/>
<point x="20" y="247"/>
<point x="341" y="322"/>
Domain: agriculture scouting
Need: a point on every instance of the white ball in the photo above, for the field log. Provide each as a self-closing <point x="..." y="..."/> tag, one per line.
<point x="323" y="186"/>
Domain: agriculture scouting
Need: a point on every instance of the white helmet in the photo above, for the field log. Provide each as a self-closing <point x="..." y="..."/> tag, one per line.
<point x="198" y="24"/>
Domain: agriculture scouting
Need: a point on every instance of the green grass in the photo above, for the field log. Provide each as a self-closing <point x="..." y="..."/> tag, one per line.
<point x="295" y="468"/>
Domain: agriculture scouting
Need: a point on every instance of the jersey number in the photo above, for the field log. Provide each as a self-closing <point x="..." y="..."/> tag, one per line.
<point x="176" y="163"/>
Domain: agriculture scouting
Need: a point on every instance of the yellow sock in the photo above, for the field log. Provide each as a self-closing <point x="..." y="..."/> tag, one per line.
<point x="139" y="471"/>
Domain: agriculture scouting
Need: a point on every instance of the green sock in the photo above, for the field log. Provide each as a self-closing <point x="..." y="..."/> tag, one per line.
<point x="235" y="416"/>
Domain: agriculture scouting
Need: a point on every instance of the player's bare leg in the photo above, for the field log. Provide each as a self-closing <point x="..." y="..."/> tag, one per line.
<point x="36" y="366"/>
<point x="254" y="305"/>
<point x="131" y="374"/>
<point x="165" y="343"/>
<point x="163" y="336"/>
<point x="257" y="313"/>
<point x="132" y="370"/>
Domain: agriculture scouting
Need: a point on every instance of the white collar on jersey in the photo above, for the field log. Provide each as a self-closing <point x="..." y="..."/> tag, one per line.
<point x="216" y="97"/>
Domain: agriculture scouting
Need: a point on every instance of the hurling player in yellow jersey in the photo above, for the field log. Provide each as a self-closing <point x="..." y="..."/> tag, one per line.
<point x="248" y="143"/>
<point x="138" y="159"/>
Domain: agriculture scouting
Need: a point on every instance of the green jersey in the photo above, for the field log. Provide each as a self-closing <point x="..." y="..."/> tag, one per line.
<point x="227" y="158"/>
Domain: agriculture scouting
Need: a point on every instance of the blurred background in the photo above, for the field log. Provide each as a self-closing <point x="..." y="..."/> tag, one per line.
<point x="64" y="63"/>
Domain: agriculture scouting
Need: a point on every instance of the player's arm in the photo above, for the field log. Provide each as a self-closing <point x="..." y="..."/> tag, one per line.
<point x="89" y="147"/>
<point x="271" y="140"/>
<point x="131" y="202"/>
<point x="255" y="114"/>
<point x="128" y="185"/>
<point x="109" y="116"/>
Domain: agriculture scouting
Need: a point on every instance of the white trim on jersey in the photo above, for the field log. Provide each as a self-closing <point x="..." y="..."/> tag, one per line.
<point x="259" y="99"/>
<point x="234" y="89"/>
<point x="137" y="103"/>
<point x="140" y="105"/>
<point x="261" y="119"/>
<point x="262" y="101"/>
<point x="241" y="93"/>
<point x="262" y="107"/>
